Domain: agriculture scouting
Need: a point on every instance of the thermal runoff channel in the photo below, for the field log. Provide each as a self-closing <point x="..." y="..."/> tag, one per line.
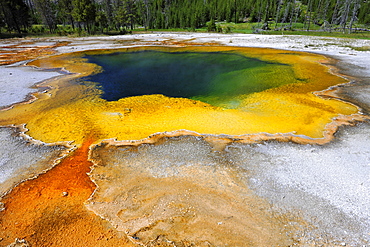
<point x="217" y="78"/>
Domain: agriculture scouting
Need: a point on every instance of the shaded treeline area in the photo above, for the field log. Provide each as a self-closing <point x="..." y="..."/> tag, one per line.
<point x="99" y="16"/>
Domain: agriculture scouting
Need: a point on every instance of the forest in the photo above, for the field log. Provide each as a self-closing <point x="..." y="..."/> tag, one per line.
<point x="66" y="17"/>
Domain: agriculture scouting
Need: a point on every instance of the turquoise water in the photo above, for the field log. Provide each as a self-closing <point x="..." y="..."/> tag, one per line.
<point x="218" y="78"/>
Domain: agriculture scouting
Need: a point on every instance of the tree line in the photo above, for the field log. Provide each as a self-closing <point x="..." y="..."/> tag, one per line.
<point x="104" y="15"/>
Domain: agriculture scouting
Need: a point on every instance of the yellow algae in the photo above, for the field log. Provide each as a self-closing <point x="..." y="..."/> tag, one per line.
<point x="72" y="111"/>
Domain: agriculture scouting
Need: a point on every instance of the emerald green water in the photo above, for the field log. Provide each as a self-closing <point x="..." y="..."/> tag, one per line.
<point x="217" y="78"/>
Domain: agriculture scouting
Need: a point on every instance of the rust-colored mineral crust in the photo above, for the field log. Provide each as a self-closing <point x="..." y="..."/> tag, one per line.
<point x="26" y="50"/>
<point x="50" y="211"/>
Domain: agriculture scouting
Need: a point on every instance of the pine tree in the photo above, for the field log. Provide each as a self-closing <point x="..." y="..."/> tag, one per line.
<point x="84" y="13"/>
<point x="65" y="9"/>
<point x="355" y="7"/>
<point x="363" y="15"/>
<point x="15" y="14"/>
<point x="48" y="12"/>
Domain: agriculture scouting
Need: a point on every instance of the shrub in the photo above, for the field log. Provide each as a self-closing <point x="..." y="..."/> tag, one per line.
<point x="211" y="26"/>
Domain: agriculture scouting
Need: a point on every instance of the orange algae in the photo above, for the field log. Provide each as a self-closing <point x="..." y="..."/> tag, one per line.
<point x="50" y="211"/>
<point x="70" y="111"/>
<point x="21" y="51"/>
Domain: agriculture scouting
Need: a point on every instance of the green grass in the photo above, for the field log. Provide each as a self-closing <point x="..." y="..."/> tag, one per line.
<point x="298" y="29"/>
<point x="238" y="29"/>
<point x="223" y="27"/>
<point x="362" y="48"/>
<point x="363" y="35"/>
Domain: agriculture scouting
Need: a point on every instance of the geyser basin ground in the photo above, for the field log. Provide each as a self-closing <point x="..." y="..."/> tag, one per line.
<point x="73" y="111"/>
<point x="183" y="191"/>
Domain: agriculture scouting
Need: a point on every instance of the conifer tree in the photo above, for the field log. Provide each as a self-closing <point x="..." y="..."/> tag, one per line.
<point x="65" y="9"/>
<point x="15" y="14"/>
<point x="48" y="12"/>
<point x="84" y="13"/>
